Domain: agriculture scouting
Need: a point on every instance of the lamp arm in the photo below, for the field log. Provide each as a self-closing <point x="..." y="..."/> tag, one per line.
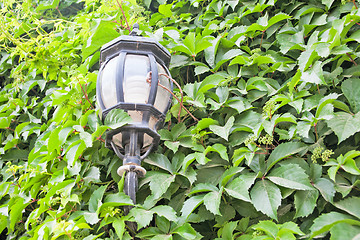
<point x="116" y="150"/>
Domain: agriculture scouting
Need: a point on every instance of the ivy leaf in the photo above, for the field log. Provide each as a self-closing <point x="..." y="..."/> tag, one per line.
<point x="166" y="10"/>
<point x="165" y="211"/>
<point x="212" y="201"/>
<point x="326" y="221"/>
<point x="351" y="90"/>
<point x="282" y="151"/>
<point x="326" y="188"/>
<point x="16" y="211"/>
<point x="344" y="125"/>
<point x="224" y="131"/>
<point x="345" y="231"/>
<point x="190" y="205"/>
<point x="91" y="217"/>
<point x="159" y="160"/>
<point x="228" y="174"/>
<point x="95" y="199"/>
<point x="290" y="176"/>
<point x="160" y="182"/>
<point x="239" y="187"/>
<point x="266" y="197"/>
<point x="350" y="205"/>
<point x="186" y="231"/>
<point x="219" y="148"/>
<point x="269" y="227"/>
<point x="117" y="118"/>
<point x="211" y="81"/>
<point x="142" y="217"/>
<point x="305" y="202"/>
<point x="103" y="32"/>
<point x="119" y="226"/>
<point x="277" y="18"/>
<point x="115" y="200"/>
<point x="314" y="74"/>
<point x="327" y="3"/>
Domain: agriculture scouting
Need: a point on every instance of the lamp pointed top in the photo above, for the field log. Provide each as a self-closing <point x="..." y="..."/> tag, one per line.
<point x="135" y="31"/>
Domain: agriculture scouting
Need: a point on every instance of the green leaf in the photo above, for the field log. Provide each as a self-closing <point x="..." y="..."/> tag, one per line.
<point x="4" y="122"/>
<point x="227" y="231"/>
<point x="92" y="175"/>
<point x="219" y="148"/>
<point x="314" y="74"/>
<point x="117" y="118"/>
<point x="91" y="217"/>
<point x="211" y="81"/>
<point x="305" y="202"/>
<point x="344" y="231"/>
<point x="96" y="197"/>
<point x="277" y="18"/>
<point x="326" y="221"/>
<point x="290" y="176"/>
<point x="74" y="153"/>
<point x="103" y="32"/>
<point x="350" y="205"/>
<point x="115" y="200"/>
<point x="159" y="160"/>
<point x="239" y="187"/>
<point x="142" y="217"/>
<point x="326" y="188"/>
<point x="229" y="173"/>
<point x="327" y="3"/>
<point x="16" y="211"/>
<point x="119" y="226"/>
<point x="266" y="197"/>
<point x="190" y="205"/>
<point x="186" y="231"/>
<point x="165" y="211"/>
<point x="160" y="182"/>
<point x="306" y="59"/>
<point x="166" y="10"/>
<point x="268" y="227"/>
<point x="282" y="151"/>
<point x="351" y="90"/>
<point x="212" y="201"/>
<point x="224" y="131"/>
<point x="356" y="36"/>
<point x="344" y="125"/>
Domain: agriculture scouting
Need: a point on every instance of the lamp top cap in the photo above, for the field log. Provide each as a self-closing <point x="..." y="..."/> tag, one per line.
<point x="135" y="43"/>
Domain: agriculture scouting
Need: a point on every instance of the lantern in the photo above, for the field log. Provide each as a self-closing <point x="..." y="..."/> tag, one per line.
<point x="134" y="76"/>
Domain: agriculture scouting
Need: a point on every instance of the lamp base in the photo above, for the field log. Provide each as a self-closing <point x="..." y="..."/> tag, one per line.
<point x="131" y="168"/>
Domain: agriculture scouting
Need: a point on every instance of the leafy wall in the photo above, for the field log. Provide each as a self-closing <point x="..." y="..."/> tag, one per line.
<point x="271" y="151"/>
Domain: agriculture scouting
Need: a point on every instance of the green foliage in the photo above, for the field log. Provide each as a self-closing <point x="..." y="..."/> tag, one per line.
<point x="273" y="155"/>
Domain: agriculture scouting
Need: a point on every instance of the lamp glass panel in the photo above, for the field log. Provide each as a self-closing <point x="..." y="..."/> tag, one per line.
<point x="136" y="71"/>
<point x="108" y="83"/>
<point x="162" y="95"/>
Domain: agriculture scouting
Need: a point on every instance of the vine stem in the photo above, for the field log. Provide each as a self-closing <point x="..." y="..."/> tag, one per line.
<point x="85" y="94"/>
<point x="355" y="4"/>
<point x="122" y="11"/>
<point x="352" y="60"/>
<point x="148" y="79"/>
<point x="316" y="134"/>
<point x="180" y="89"/>
<point x="262" y="37"/>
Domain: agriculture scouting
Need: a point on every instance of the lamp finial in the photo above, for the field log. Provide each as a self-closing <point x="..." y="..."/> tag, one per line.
<point x="135" y="31"/>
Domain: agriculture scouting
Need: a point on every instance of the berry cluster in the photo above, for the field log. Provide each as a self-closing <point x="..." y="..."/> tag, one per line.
<point x="266" y="140"/>
<point x="269" y="108"/>
<point x="319" y="153"/>
<point x="250" y="139"/>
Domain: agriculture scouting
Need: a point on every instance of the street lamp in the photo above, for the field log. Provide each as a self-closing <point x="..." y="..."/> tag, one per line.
<point x="134" y="76"/>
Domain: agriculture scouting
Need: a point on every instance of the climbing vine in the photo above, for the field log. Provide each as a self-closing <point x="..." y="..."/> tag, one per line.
<point x="261" y="141"/>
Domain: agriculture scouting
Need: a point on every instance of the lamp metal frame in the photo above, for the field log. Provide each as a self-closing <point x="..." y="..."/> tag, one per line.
<point x="157" y="54"/>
